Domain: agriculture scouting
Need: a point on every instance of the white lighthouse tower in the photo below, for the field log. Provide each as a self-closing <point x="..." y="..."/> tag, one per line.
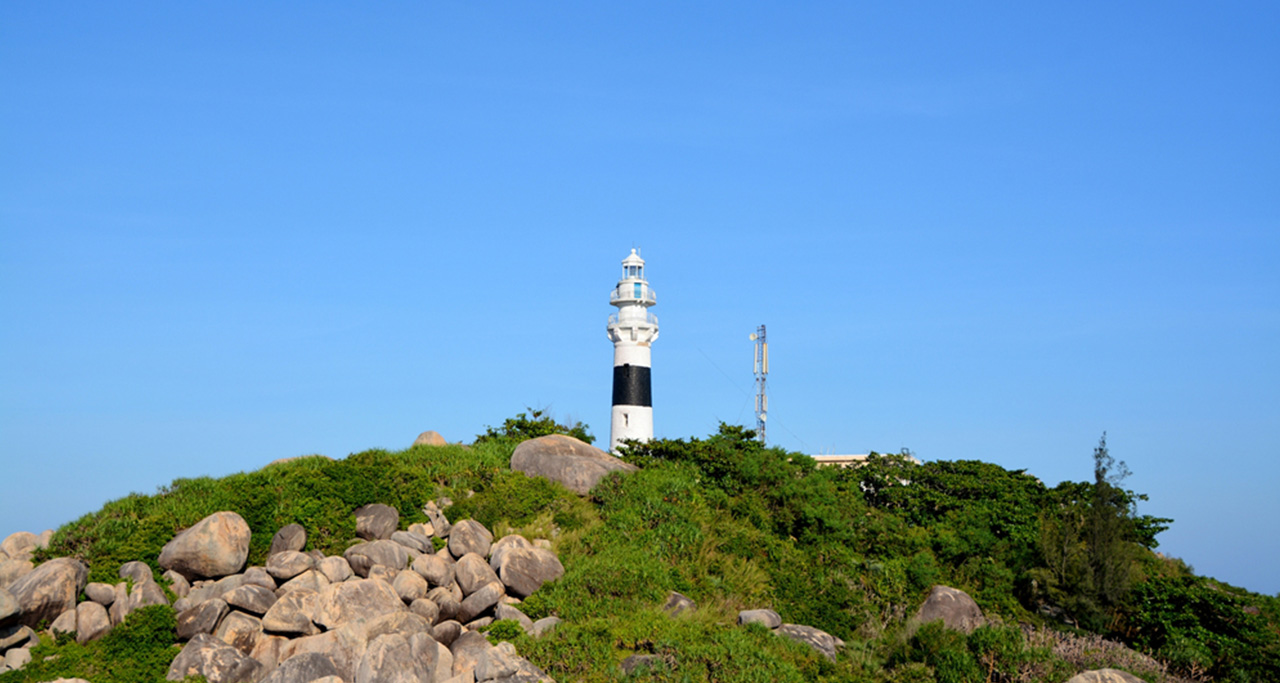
<point x="632" y="329"/>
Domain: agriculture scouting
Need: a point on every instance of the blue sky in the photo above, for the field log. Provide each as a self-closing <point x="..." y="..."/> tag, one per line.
<point x="242" y="232"/>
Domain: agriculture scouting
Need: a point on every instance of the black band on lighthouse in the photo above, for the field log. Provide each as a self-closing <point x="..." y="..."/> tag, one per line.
<point x="631" y="386"/>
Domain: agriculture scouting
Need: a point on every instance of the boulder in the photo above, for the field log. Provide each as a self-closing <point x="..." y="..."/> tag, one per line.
<point x="410" y="586"/>
<point x="335" y="569"/>
<point x="481" y="601"/>
<point x="11" y="570"/>
<point x="390" y="659"/>
<point x="177" y="583"/>
<point x="435" y="657"/>
<point x="215" y="660"/>
<point x="501" y="611"/>
<point x="376" y="521"/>
<point x="289" y="537"/>
<point x="304" y="668"/>
<point x="437" y="569"/>
<point x="544" y="626"/>
<point x="269" y="650"/>
<point x="49" y="590"/>
<point x="293" y="614"/>
<point x="239" y="630"/>
<point x="258" y="576"/>
<point x="446" y="632"/>
<point x="362" y="556"/>
<point x="469" y="536"/>
<point x="423" y="529"/>
<point x="954" y="607"/>
<point x="499" y="549"/>
<point x="577" y="465"/>
<point x="65" y="623"/>
<point x="1104" y="676"/>
<point x="413" y="541"/>
<point x="309" y="580"/>
<point x="467" y="650"/>
<point x="403" y="623"/>
<point x="102" y="593"/>
<point x="498" y="662"/>
<point x="146" y="594"/>
<point x="430" y="438"/>
<point x="16" y="636"/>
<point x="765" y="617"/>
<point x="138" y="572"/>
<point x="251" y="598"/>
<point x="440" y="525"/>
<point x="17" y="658"/>
<point x="471" y="572"/>
<point x="120" y="606"/>
<point x="9" y="611"/>
<point x="677" y="603"/>
<point x="203" y="618"/>
<point x="524" y="570"/>
<point x="92" y="621"/>
<point x="344" y="646"/>
<point x="287" y="564"/>
<point x="426" y="609"/>
<point x="340" y="603"/>
<point x="20" y="545"/>
<point x="216" y="546"/>
<point x="823" y="642"/>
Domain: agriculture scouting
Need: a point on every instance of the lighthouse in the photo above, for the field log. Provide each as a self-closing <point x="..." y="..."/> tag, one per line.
<point x="632" y="329"/>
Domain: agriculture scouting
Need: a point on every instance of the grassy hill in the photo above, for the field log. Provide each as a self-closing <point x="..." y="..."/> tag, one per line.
<point x="737" y="526"/>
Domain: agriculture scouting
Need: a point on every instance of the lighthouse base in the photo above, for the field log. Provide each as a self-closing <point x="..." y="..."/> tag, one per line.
<point x="630" y="422"/>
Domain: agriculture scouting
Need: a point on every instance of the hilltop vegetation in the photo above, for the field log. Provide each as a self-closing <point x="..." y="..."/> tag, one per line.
<point x="735" y="525"/>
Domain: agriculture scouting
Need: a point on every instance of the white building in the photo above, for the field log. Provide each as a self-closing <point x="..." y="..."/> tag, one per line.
<point x="632" y="330"/>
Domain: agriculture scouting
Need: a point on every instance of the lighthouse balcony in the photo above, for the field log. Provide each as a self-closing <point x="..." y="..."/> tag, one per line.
<point x="649" y="319"/>
<point x="634" y="292"/>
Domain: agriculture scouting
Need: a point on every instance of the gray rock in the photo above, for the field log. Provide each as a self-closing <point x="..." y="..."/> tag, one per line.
<point x="9" y="612"/>
<point x="481" y="601"/>
<point x="146" y="594"/>
<point x="102" y="593"/>
<point x="16" y="636"/>
<point x="139" y="572"/>
<point x="677" y="603"/>
<point x="19" y="544"/>
<point x="251" y="598"/>
<point x="177" y="583"/>
<point x="13" y="569"/>
<point x="478" y="624"/>
<point x="362" y="556"/>
<point x="440" y="525"/>
<point x="410" y="586"/>
<point x="239" y="630"/>
<point x="217" y="661"/>
<point x="65" y="623"/>
<point x="17" y="658"/>
<point x="577" y="465"/>
<point x="435" y="656"/>
<point x="544" y="626"/>
<point x="426" y="609"/>
<point x="413" y="541"/>
<point x="467" y="649"/>
<point x="647" y="662"/>
<point x="448" y="606"/>
<point x="269" y="650"/>
<point x="471" y="571"/>
<point x="954" y="607"/>
<point x="376" y="521"/>
<point x="469" y="536"/>
<point x="216" y="546"/>
<point x="292" y="614"/>
<point x="258" y="576"/>
<point x="1104" y="676"/>
<point x="92" y="621"/>
<point x="289" y="537"/>
<point x="497" y="662"/>
<point x="438" y="569"/>
<point x="335" y="569"/>
<point x="765" y="617"/>
<point x="823" y="642"/>
<point x="204" y="590"/>
<point x="446" y="632"/>
<point x="203" y="618"/>
<point x="340" y="603"/>
<point x="381" y="573"/>
<point x="524" y="570"/>
<point x="309" y="580"/>
<point x="499" y="549"/>
<point x="501" y="611"/>
<point x="389" y="659"/>
<point x="424" y="530"/>
<point x="344" y="646"/>
<point x="430" y="438"/>
<point x="120" y="606"/>
<point x="304" y="668"/>
<point x="49" y="590"/>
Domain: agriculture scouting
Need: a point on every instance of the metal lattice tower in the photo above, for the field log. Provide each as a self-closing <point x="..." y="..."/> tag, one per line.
<point x="762" y="374"/>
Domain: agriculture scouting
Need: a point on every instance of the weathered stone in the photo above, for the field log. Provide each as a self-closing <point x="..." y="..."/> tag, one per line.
<point x="472" y="572"/>
<point x="482" y="600"/>
<point x="765" y="617"/>
<point x="376" y="521"/>
<point x="1104" y="676"/>
<point x="558" y="457"/>
<point x="289" y="537"/>
<point x="478" y="624"/>
<point x="239" y="630"/>
<point x="9" y="610"/>
<point x="120" y="606"/>
<point x="821" y="641"/>
<point x="17" y="658"/>
<point x="648" y="662"/>
<point x="204" y="590"/>
<point x="102" y="593"/>
<point x="430" y="438"/>
<point x="498" y="662"/>
<point x="43" y="538"/>
<point x="424" y="530"/>
<point x="65" y="623"/>
<point x="382" y="573"/>
<point x="677" y="603"/>
<point x="467" y="649"/>
<point x="292" y="614"/>
<point x="177" y="583"/>
<point x="19" y="544"/>
<point x="413" y="541"/>
<point x="524" y="570"/>
<point x="349" y="600"/>
<point x="304" y="668"/>
<point x="345" y="646"/>
<point x="954" y="607"/>
<point x="362" y="556"/>
<point x="217" y="661"/>
<point x="446" y="631"/>
<point x="251" y="598"/>
<point x="309" y="580"/>
<point x="13" y="569"/>
<point x="258" y="576"/>
<point x="49" y="590"/>
<point x="469" y="536"/>
<point x="269" y="650"/>
<point x="92" y="621"/>
<point x="544" y="626"/>
<point x="139" y="572"/>
<point x="500" y="547"/>
<point x="146" y="594"/>
<point x="335" y="569"/>
<point x="501" y="611"/>
<point x="203" y="618"/>
<point x="17" y="635"/>
<point x="426" y="609"/>
<point x="437" y="569"/>
<point x="435" y="657"/>
<point x="410" y="586"/>
<point x="215" y="546"/>
<point x="403" y="623"/>
<point x="440" y="525"/>
<point x="389" y="659"/>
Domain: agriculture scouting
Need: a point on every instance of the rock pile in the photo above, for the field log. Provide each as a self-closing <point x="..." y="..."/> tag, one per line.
<point x="825" y="643"/>
<point x="390" y="608"/>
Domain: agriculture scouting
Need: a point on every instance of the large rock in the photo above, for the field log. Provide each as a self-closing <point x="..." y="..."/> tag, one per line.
<point x="49" y="590"/>
<point x="819" y="640"/>
<point x="954" y="607"/>
<point x="12" y="570"/>
<point x="577" y="465"/>
<point x="678" y="603"/>
<point x="289" y="537"/>
<point x="203" y="618"/>
<point x="765" y="617"/>
<point x="440" y="526"/>
<point x="469" y="536"/>
<point x="92" y="621"/>
<point x="9" y="611"/>
<point x="216" y="546"/>
<point x="344" y="646"/>
<point x="467" y="650"/>
<point x="304" y="668"/>
<point x="481" y="601"/>
<point x="240" y="631"/>
<point x="472" y="572"/>
<point x="410" y="586"/>
<point x="430" y="438"/>
<point x="502" y="545"/>
<point x="376" y="521"/>
<point x="390" y="659"/>
<point x="351" y="600"/>
<point x="292" y="614"/>
<point x="1104" y="676"/>
<point x="363" y="556"/>
<point x="335" y="569"/>
<point x="414" y="541"/>
<point x="217" y="661"/>
<point x="139" y="572"/>
<point x="287" y="564"/>
<point x="146" y="594"/>
<point x="524" y="570"/>
<point x="251" y="598"/>
<point x="20" y="544"/>
<point x="437" y="569"/>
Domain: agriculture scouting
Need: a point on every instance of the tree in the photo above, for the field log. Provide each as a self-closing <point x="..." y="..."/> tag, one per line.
<point x="1109" y="527"/>
<point x="530" y="426"/>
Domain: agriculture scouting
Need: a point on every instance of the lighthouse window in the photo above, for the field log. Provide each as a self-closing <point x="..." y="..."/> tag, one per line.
<point x="638" y="287"/>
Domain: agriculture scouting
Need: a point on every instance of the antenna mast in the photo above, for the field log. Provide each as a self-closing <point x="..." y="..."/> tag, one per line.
<point x="762" y="374"/>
